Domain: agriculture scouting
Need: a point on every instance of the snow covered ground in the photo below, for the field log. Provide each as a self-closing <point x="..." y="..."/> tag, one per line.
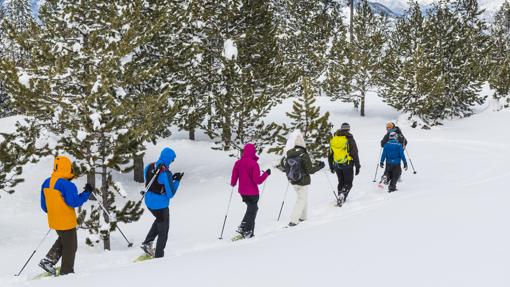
<point x="446" y="226"/>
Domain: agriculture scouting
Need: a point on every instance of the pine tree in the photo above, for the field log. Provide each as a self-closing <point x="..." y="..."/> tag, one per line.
<point x="454" y="62"/>
<point x="4" y="97"/>
<point x="369" y="36"/>
<point x="18" y="16"/>
<point x="305" y="117"/>
<point x="247" y="81"/>
<point x="79" y="90"/>
<point x="499" y="58"/>
<point x="16" y="150"/>
<point x="409" y="77"/>
<point x="311" y="36"/>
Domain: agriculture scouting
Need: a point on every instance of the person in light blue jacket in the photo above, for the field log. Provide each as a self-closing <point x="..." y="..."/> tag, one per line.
<point x="393" y="154"/>
<point x="157" y="199"/>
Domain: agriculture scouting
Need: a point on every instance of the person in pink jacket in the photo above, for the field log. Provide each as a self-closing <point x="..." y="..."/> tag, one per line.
<point x="247" y="172"/>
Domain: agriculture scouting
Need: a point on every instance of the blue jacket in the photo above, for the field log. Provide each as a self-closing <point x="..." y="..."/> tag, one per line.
<point x="69" y="193"/>
<point x="156" y="201"/>
<point x="393" y="153"/>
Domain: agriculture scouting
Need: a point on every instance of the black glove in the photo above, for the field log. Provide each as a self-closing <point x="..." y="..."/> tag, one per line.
<point x="381" y="165"/>
<point x="332" y="170"/>
<point x="321" y="164"/>
<point x="405" y="166"/>
<point x="178" y="176"/>
<point x="357" y="169"/>
<point x="268" y="171"/>
<point x="88" y="188"/>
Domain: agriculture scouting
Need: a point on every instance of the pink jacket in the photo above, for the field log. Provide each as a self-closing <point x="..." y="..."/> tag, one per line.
<point x="247" y="171"/>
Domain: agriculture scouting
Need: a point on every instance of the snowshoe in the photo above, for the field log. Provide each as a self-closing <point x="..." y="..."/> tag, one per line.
<point x="245" y="235"/>
<point x="143" y="257"/>
<point x="384" y="181"/>
<point x="48" y="266"/>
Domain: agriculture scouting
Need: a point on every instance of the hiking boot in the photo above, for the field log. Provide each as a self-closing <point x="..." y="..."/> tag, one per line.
<point x="240" y="228"/>
<point x="48" y="266"/>
<point x="292" y="224"/>
<point x="147" y="248"/>
<point x="341" y="200"/>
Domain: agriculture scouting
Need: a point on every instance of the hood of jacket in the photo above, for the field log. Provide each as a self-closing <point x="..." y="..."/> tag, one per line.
<point x="63" y="168"/>
<point x="166" y="157"/>
<point x="249" y="151"/>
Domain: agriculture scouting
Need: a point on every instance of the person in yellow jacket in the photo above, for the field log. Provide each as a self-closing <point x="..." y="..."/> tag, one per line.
<point x="59" y="197"/>
<point x="343" y="159"/>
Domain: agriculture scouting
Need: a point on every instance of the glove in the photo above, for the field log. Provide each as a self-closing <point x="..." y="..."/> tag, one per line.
<point x="88" y="188"/>
<point x="381" y="165"/>
<point x="405" y="166"/>
<point x="332" y="170"/>
<point x="178" y="176"/>
<point x="357" y="169"/>
<point x="268" y="171"/>
<point x="321" y="164"/>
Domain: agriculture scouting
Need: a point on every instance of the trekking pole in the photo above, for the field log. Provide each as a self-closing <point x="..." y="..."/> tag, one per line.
<point x="130" y="244"/>
<point x="411" y="162"/>
<point x="377" y="167"/>
<point x="226" y="214"/>
<point x="283" y="202"/>
<point x="330" y="184"/>
<point x="32" y="255"/>
<point x="143" y="192"/>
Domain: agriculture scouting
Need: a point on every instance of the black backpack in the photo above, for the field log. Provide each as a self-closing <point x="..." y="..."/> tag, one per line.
<point x="294" y="169"/>
<point x="155" y="187"/>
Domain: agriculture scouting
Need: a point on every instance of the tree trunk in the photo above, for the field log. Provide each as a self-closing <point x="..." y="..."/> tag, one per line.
<point x="91" y="179"/>
<point x="138" y="168"/>
<point x="192" y="133"/>
<point x="362" y="107"/>
<point x="104" y="193"/>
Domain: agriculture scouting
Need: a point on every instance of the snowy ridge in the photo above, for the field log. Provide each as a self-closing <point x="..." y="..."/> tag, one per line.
<point x="444" y="227"/>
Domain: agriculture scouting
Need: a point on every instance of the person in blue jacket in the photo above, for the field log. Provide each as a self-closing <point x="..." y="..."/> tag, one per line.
<point x="59" y="197"/>
<point x="157" y="199"/>
<point x="393" y="153"/>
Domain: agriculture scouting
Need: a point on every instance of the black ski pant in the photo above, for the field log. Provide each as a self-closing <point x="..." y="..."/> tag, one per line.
<point x="393" y="172"/>
<point x="64" y="247"/>
<point x="251" y="212"/>
<point x="345" y="174"/>
<point x="159" y="229"/>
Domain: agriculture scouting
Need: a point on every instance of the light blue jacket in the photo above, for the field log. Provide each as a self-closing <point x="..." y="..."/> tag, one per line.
<point x="156" y="201"/>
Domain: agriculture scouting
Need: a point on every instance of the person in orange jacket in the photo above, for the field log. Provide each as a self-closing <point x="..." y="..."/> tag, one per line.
<point x="59" y="197"/>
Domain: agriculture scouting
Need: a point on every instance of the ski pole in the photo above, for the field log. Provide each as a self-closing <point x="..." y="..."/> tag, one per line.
<point x="377" y="167"/>
<point x="226" y="214"/>
<point x="32" y="255"/>
<point x="283" y="202"/>
<point x="130" y="244"/>
<point x="411" y="162"/>
<point x="330" y="184"/>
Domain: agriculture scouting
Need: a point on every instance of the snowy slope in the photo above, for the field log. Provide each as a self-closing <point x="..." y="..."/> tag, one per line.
<point x="447" y="226"/>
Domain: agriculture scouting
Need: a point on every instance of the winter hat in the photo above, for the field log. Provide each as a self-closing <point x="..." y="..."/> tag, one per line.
<point x="345" y="127"/>
<point x="393" y="136"/>
<point x="300" y="141"/>
<point x="390" y="125"/>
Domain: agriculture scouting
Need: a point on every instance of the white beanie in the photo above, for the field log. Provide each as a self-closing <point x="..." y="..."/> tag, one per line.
<point x="300" y="141"/>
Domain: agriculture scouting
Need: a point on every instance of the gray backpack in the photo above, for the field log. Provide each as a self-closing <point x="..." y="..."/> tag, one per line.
<point x="294" y="169"/>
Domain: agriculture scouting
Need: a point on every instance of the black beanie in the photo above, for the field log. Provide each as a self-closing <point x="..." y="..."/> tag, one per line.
<point x="345" y="126"/>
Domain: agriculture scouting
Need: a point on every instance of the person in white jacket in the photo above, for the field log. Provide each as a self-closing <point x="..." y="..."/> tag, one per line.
<point x="298" y="167"/>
